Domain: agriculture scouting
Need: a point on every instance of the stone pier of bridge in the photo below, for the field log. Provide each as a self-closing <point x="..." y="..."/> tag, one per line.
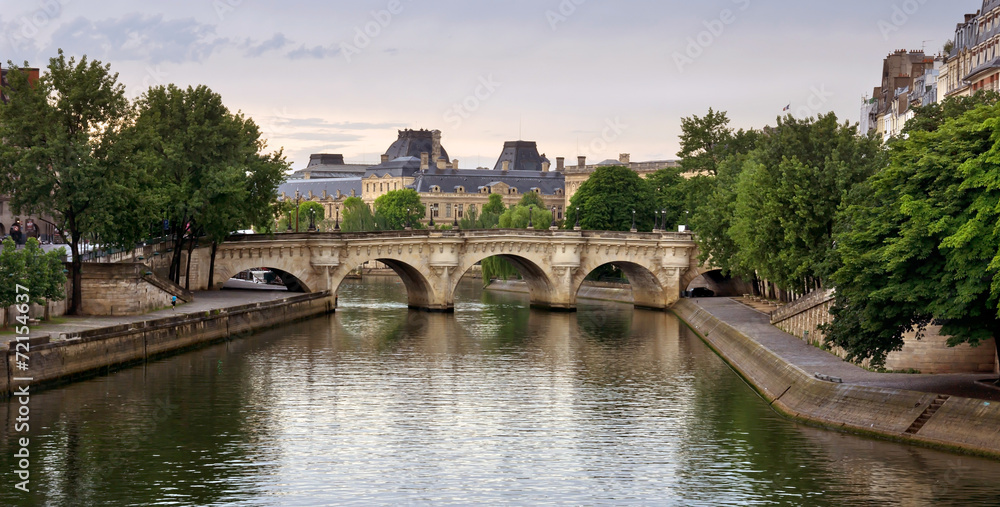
<point x="554" y="264"/>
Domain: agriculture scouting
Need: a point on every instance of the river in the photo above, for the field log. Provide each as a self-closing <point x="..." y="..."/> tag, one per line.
<point x="496" y="404"/>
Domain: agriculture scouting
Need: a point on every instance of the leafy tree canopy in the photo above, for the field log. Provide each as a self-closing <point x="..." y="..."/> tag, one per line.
<point x="606" y="201"/>
<point x="400" y="208"/>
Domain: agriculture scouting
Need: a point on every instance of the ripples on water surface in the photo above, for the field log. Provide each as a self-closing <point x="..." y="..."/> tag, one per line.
<point x="496" y="404"/>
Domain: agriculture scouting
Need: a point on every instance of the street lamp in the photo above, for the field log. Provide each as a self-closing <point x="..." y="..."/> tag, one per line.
<point x="336" y="225"/>
<point x="312" y="219"/>
<point x="531" y="211"/>
<point x="656" y="221"/>
<point x="577" y="226"/>
<point x="633" y="222"/>
<point x="408" y="226"/>
<point x="296" y="210"/>
<point x="553" y="226"/>
<point x="432" y="218"/>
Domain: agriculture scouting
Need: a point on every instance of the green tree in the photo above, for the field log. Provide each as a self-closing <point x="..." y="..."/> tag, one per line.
<point x="209" y="164"/>
<point x="607" y="200"/>
<point x="707" y="141"/>
<point x="787" y="196"/>
<point x="288" y="216"/>
<point x="400" y="208"/>
<point x="43" y="274"/>
<point x="714" y="219"/>
<point x="12" y="272"/>
<point x="520" y="216"/>
<point x="358" y="217"/>
<point x="63" y="154"/>
<point x="532" y="199"/>
<point x="919" y="243"/>
<point x="679" y="196"/>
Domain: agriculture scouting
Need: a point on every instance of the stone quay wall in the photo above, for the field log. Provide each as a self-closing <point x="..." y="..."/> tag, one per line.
<point x="930" y="354"/>
<point x="961" y="424"/>
<point x="92" y="352"/>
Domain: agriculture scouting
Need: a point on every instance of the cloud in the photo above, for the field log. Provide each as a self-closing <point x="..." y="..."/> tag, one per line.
<point x="137" y="37"/>
<point x="317" y="52"/>
<point x="253" y="50"/>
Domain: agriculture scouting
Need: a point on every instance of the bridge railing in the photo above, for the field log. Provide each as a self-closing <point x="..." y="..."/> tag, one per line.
<point x="471" y="233"/>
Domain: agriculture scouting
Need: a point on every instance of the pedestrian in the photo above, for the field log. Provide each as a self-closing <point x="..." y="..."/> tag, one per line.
<point x="15" y="232"/>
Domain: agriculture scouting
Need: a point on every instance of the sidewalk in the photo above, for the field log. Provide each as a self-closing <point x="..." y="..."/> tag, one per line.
<point x="757" y="325"/>
<point x="203" y="302"/>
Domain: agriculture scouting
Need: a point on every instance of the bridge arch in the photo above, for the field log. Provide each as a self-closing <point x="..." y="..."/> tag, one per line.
<point x="649" y="290"/>
<point x="540" y="283"/>
<point x="420" y="292"/>
<point x="296" y="280"/>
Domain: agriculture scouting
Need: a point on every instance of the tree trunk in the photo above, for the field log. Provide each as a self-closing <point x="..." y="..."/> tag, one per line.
<point x="175" y="262"/>
<point x="76" y="270"/>
<point x="996" y="343"/>
<point x="187" y="270"/>
<point x="211" y="265"/>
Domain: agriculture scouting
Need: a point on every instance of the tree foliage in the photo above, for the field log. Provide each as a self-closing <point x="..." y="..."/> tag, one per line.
<point x="919" y="243"/>
<point x="706" y="141"/>
<point x="607" y="200"/>
<point x="678" y="196"/>
<point x="63" y="155"/>
<point x="211" y="172"/>
<point x="41" y="273"/>
<point x="400" y="208"/>
<point x="520" y="216"/>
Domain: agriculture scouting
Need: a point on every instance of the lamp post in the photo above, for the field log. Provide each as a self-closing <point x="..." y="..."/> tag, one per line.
<point x="312" y="219"/>
<point x="408" y="226"/>
<point x="577" y="226"/>
<point x="553" y="226"/>
<point x="656" y="221"/>
<point x="336" y="225"/>
<point x="531" y="223"/>
<point x="297" y="210"/>
<point x="432" y="218"/>
<point x="454" y="222"/>
<point x="289" y="229"/>
<point x="633" y="222"/>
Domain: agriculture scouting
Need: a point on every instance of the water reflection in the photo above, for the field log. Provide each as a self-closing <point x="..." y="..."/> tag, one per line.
<point x="495" y="404"/>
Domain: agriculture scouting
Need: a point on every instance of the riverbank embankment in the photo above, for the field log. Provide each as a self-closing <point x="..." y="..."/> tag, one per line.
<point x="954" y="412"/>
<point x="89" y="346"/>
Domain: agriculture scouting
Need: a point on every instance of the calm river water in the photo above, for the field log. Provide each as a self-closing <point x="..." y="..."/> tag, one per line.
<point x="497" y="404"/>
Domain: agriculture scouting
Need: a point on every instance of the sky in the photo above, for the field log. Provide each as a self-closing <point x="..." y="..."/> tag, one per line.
<point x="580" y="77"/>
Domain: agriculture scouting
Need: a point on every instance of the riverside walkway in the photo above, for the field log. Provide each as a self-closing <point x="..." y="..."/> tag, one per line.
<point x="757" y="326"/>
<point x="203" y="302"/>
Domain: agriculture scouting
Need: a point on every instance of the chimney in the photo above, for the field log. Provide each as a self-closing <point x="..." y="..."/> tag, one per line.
<point x="506" y="165"/>
<point x="454" y="164"/>
<point x="307" y="175"/>
<point x="442" y="163"/>
<point x="581" y="162"/>
<point x="436" y="145"/>
<point x="339" y="194"/>
<point x="385" y="158"/>
<point x="625" y="159"/>
<point x="546" y="166"/>
<point x="560" y="164"/>
<point x="425" y="161"/>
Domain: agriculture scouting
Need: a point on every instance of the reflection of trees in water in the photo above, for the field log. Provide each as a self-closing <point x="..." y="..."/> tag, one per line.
<point x="124" y="438"/>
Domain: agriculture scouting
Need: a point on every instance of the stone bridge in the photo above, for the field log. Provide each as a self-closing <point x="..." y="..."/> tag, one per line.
<point x="659" y="266"/>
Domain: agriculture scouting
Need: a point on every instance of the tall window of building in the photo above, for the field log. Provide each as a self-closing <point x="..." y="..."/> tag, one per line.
<point x="447" y="210"/>
<point x="434" y="211"/>
<point x="461" y="211"/>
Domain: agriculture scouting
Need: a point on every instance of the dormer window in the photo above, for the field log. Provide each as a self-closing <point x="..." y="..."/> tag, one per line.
<point x="436" y="189"/>
<point x="460" y="190"/>
<point x="513" y="191"/>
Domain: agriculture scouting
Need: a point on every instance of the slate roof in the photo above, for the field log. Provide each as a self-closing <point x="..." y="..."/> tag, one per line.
<point x="400" y="168"/>
<point x="472" y="180"/>
<point x="522" y="155"/>
<point x="318" y="186"/>
<point x="412" y="143"/>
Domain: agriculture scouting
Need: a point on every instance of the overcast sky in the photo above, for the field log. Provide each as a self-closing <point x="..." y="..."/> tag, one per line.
<point x="580" y="77"/>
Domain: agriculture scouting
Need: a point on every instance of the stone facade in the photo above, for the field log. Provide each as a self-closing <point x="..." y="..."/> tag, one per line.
<point x="930" y="355"/>
<point x="974" y="63"/>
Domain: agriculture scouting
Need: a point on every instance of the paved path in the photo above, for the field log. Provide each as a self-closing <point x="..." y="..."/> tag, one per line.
<point x="758" y="326"/>
<point x="203" y="301"/>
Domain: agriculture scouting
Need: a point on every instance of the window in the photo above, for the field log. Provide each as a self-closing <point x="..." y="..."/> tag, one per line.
<point x="447" y="210"/>
<point x="434" y="210"/>
<point x="461" y="211"/>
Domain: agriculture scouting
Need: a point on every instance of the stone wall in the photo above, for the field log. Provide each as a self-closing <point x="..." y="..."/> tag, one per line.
<point x="930" y="355"/>
<point x="122" y="289"/>
<point x="66" y="357"/>
<point x="961" y="424"/>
